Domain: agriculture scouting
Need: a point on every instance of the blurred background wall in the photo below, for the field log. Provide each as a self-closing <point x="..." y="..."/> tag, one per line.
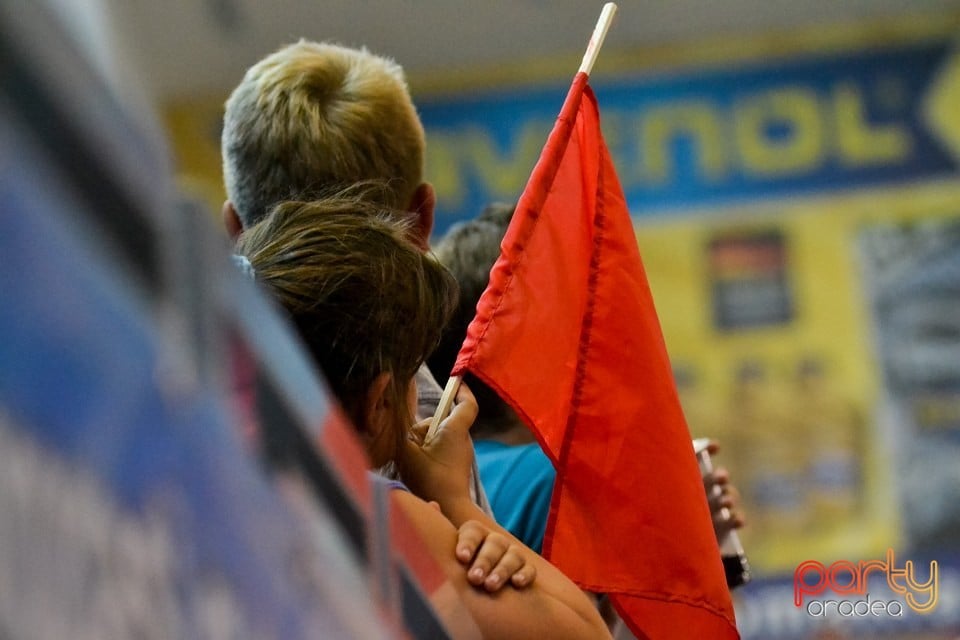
<point x="792" y="168"/>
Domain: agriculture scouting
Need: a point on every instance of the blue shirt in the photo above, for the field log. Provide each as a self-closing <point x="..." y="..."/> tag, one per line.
<point x="518" y="480"/>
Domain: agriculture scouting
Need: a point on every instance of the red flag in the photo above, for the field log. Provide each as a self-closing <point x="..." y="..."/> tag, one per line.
<point x="567" y="334"/>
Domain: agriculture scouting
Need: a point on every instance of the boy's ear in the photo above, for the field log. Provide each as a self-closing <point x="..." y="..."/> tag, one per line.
<point x="231" y="220"/>
<point x="423" y="203"/>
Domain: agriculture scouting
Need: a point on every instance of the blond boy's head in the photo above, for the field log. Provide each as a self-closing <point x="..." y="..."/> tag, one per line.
<point x="315" y="117"/>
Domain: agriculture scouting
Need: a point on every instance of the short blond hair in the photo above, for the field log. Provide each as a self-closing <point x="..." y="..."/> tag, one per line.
<point x="313" y="117"/>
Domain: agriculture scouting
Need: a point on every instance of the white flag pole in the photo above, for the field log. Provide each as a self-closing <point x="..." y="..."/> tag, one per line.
<point x="596" y="40"/>
<point x="586" y="66"/>
<point x="444" y="407"/>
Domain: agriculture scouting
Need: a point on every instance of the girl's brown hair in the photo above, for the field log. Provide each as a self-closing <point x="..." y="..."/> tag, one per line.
<point x="365" y="299"/>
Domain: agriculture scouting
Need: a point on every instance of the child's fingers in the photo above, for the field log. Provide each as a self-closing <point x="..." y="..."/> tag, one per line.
<point x="511" y="568"/>
<point x="419" y="431"/>
<point x="524" y="577"/>
<point x="488" y="556"/>
<point x="469" y="538"/>
<point x="464" y="411"/>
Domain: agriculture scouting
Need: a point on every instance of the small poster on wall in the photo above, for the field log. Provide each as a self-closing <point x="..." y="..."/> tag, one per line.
<point x="749" y="280"/>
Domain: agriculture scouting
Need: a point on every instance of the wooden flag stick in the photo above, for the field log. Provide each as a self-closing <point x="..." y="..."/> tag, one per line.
<point x="596" y="40"/>
<point x="586" y="66"/>
<point x="443" y="409"/>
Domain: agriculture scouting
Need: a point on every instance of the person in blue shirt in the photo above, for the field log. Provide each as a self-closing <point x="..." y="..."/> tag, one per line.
<point x="516" y="474"/>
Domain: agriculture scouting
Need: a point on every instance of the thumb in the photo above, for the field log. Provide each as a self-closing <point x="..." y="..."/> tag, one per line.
<point x="418" y="432"/>
<point x="458" y="423"/>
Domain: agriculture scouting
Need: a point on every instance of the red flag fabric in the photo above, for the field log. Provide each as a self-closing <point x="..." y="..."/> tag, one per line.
<point x="567" y="334"/>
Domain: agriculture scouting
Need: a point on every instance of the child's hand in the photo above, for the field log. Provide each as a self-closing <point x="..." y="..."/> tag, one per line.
<point x="440" y="470"/>
<point x="492" y="558"/>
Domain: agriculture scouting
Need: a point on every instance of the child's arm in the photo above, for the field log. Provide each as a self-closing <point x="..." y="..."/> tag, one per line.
<point x="553" y="606"/>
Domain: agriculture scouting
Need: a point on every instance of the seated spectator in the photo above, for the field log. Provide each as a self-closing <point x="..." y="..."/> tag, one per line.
<point x="370" y="307"/>
<point x="313" y="117"/>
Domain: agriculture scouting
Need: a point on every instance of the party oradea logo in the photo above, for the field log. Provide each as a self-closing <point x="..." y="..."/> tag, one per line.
<point x="849" y="585"/>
